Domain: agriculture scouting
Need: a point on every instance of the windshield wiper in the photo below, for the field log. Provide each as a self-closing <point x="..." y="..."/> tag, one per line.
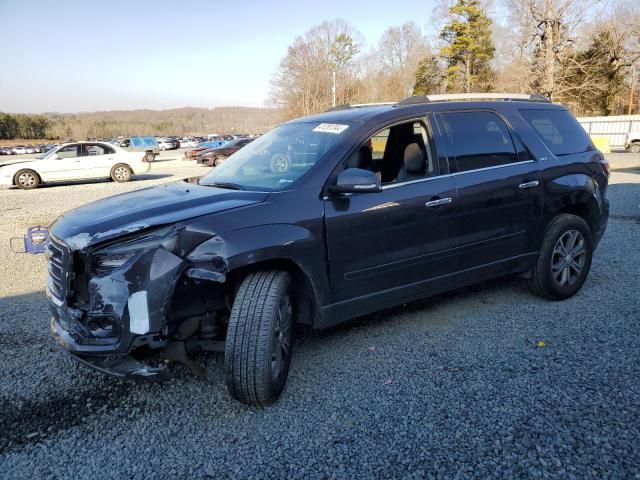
<point x="227" y="185"/>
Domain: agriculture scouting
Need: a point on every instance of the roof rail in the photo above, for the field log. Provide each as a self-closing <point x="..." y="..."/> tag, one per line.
<point x="358" y="105"/>
<point x="462" y="97"/>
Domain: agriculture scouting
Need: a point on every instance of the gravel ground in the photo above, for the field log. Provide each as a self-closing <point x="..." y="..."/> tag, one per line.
<point x="451" y="387"/>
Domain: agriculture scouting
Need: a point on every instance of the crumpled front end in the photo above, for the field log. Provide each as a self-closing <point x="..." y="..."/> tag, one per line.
<point x="111" y="303"/>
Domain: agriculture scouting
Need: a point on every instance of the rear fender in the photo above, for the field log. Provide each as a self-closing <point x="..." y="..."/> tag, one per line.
<point x="576" y="193"/>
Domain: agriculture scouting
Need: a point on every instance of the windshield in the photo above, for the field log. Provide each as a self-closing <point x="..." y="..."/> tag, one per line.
<point x="48" y="153"/>
<point x="276" y="160"/>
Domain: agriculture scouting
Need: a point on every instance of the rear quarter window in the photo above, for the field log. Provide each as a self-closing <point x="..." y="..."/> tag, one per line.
<point x="559" y="131"/>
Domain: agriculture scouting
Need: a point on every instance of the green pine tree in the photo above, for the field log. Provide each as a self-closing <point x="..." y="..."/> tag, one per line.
<point x="469" y="48"/>
<point x="428" y="76"/>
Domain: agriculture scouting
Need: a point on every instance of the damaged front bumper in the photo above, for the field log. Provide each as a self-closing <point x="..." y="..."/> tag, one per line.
<point x="105" y="318"/>
<point x="125" y="367"/>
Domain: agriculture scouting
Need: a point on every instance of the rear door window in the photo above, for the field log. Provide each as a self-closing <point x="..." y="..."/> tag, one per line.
<point x="92" y="149"/>
<point x="478" y="140"/>
<point x="559" y="131"/>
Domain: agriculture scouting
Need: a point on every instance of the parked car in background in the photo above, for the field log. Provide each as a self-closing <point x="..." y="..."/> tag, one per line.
<point x="216" y="156"/>
<point x="164" y="144"/>
<point x="202" y="147"/>
<point x="148" y="145"/>
<point x="21" y="150"/>
<point x="632" y="142"/>
<point x="6" y="151"/>
<point x="74" y="161"/>
<point x="188" y="143"/>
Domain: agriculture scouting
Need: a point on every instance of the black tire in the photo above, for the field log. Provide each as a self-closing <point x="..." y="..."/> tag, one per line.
<point x="121" y="173"/>
<point x="26" y="179"/>
<point x="635" y="147"/>
<point x="560" y="270"/>
<point x="149" y="157"/>
<point x="260" y="333"/>
<point x="218" y="160"/>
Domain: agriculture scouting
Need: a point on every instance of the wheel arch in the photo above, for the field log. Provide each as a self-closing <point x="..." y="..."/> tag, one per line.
<point x="305" y="294"/>
<point x="15" y="175"/>
<point x="581" y="198"/>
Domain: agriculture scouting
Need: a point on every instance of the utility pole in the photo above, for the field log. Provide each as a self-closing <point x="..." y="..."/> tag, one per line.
<point x="333" y="90"/>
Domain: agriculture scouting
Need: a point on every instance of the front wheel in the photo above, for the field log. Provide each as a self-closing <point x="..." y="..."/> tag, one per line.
<point x="260" y="338"/>
<point x="149" y="157"/>
<point x="564" y="258"/>
<point x="635" y="147"/>
<point x="27" y="179"/>
<point x="218" y="160"/>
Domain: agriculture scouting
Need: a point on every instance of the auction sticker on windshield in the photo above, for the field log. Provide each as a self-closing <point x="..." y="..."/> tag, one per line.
<point x="331" y="128"/>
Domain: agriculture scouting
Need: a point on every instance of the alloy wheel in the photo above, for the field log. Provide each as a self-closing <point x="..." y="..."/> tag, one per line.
<point x="121" y="173"/>
<point x="568" y="258"/>
<point x="281" y="338"/>
<point x="27" y="179"/>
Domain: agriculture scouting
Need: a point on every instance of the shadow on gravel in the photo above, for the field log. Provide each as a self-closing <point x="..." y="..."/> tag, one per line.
<point x="25" y="422"/>
<point x="169" y="159"/>
<point x="34" y="420"/>
<point x="425" y="306"/>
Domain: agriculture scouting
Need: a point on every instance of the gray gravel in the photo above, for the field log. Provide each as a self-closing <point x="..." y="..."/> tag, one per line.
<point x="452" y="387"/>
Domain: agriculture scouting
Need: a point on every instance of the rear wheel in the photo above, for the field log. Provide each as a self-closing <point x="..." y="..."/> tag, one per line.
<point x="121" y="173"/>
<point x="260" y="338"/>
<point x="564" y="258"/>
<point x="27" y="179"/>
<point x="149" y="157"/>
<point x="635" y="147"/>
<point x="218" y="160"/>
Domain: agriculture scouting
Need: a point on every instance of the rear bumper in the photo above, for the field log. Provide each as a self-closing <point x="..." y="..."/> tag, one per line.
<point x="604" y="221"/>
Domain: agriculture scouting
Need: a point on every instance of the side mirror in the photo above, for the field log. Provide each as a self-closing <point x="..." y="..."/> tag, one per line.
<point x="356" y="180"/>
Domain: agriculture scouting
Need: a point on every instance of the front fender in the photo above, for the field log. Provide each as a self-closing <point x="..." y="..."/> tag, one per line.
<point x="249" y="246"/>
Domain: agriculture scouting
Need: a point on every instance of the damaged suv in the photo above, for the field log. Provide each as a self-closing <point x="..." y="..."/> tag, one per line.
<point x="323" y="219"/>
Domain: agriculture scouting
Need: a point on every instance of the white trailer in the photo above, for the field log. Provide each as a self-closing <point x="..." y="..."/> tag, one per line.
<point x="614" y="128"/>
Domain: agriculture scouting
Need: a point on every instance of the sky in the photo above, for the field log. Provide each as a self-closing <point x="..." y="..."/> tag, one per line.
<point x="79" y="56"/>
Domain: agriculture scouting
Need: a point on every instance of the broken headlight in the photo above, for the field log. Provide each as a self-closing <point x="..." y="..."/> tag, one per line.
<point x="117" y="255"/>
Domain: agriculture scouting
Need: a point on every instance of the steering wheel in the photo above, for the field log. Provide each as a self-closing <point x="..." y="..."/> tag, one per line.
<point x="279" y="163"/>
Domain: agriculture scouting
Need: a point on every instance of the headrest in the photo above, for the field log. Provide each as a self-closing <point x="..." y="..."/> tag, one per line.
<point x="414" y="158"/>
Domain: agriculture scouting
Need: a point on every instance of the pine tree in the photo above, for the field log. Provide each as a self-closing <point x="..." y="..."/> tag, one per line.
<point x="428" y="76"/>
<point x="469" y="48"/>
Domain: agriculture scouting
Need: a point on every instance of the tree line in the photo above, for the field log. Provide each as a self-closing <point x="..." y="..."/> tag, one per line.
<point x="24" y="126"/>
<point x="583" y="53"/>
<point x="177" y="121"/>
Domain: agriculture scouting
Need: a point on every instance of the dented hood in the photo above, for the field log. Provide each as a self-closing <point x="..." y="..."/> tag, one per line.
<point x="115" y="216"/>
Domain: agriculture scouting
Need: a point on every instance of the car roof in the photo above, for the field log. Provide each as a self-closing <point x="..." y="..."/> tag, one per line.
<point x="362" y="113"/>
<point x="345" y="114"/>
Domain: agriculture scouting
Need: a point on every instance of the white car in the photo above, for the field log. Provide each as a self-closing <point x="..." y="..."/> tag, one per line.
<point x="21" y="150"/>
<point x="188" y="143"/>
<point x="74" y="161"/>
<point x="164" y="144"/>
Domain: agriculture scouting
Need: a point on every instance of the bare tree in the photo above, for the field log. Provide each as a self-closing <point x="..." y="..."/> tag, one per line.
<point x="303" y="82"/>
<point x="400" y="50"/>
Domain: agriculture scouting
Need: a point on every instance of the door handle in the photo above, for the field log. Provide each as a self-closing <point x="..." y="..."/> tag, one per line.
<point x="528" y="185"/>
<point x="439" y="202"/>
